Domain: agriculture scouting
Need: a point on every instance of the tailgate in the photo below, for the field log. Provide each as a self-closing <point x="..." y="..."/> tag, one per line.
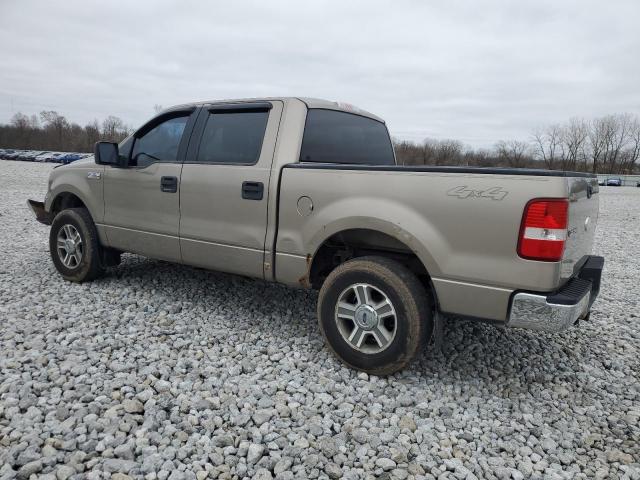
<point x="583" y="217"/>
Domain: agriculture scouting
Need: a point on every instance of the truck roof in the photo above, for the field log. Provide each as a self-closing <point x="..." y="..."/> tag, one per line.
<point x="308" y="101"/>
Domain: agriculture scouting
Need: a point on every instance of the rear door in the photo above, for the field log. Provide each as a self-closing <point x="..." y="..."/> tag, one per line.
<point x="142" y="200"/>
<point x="224" y="187"/>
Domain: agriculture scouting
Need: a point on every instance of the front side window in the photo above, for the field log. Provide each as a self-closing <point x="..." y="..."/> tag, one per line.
<point x="332" y="136"/>
<point x="160" y="144"/>
<point x="233" y="137"/>
<point x="124" y="149"/>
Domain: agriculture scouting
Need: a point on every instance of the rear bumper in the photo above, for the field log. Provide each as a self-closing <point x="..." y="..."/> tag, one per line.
<point x="41" y="214"/>
<point x="561" y="309"/>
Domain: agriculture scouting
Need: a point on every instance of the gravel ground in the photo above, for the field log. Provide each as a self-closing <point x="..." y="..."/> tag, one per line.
<point x="163" y="371"/>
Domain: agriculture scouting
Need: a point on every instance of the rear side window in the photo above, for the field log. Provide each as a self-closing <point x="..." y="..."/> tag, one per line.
<point x="338" y="137"/>
<point x="233" y="137"/>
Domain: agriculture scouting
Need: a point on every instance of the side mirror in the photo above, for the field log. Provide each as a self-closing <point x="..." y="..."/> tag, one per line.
<point x="106" y="153"/>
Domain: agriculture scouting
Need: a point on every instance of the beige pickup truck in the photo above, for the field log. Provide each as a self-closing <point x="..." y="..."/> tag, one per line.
<point x="307" y="192"/>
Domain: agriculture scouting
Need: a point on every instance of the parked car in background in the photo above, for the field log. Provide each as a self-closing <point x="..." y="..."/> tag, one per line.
<point x="42" y="157"/>
<point x="61" y="158"/>
<point x="614" y="182"/>
<point x="27" y="155"/>
<point x="69" y="157"/>
<point x="52" y="157"/>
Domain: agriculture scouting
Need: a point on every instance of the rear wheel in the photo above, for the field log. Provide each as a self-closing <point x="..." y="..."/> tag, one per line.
<point x="374" y="314"/>
<point x="74" y="246"/>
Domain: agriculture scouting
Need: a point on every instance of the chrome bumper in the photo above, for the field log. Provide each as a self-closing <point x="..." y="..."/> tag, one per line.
<point x="559" y="310"/>
<point x="534" y="312"/>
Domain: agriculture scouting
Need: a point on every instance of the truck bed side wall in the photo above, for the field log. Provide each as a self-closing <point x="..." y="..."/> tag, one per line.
<point x="463" y="227"/>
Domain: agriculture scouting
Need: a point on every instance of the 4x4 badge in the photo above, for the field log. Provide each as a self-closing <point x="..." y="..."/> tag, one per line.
<point x="494" y="193"/>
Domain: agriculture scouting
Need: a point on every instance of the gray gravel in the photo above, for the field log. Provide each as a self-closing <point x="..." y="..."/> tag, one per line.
<point x="163" y="371"/>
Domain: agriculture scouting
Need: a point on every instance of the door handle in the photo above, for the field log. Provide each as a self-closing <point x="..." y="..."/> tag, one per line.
<point x="252" y="190"/>
<point x="169" y="184"/>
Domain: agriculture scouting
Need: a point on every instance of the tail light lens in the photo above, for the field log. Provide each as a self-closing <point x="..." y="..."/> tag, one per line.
<point x="544" y="230"/>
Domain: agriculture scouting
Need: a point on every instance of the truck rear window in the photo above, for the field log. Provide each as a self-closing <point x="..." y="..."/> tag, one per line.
<point x="331" y="136"/>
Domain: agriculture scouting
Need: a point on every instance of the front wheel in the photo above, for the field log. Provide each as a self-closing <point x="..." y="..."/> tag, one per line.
<point x="374" y="314"/>
<point x="74" y="246"/>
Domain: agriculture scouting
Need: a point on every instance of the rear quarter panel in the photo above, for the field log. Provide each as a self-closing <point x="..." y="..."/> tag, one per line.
<point x="465" y="235"/>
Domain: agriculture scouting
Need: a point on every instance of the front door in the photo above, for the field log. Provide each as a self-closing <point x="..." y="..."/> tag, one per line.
<point x="224" y="187"/>
<point x="142" y="201"/>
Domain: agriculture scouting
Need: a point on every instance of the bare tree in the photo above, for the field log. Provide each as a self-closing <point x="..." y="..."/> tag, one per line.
<point x="20" y="121"/>
<point x="408" y="153"/>
<point x="34" y="122"/>
<point x="513" y="152"/>
<point x="56" y="126"/>
<point x="442" y="152"/>
<point x="112" y="127"/>
<point x="53" y="118"/>
<point x="574" y="137"/>
<point x="22" y="125"/>
<point x="624" y="134"/>
<point x="548" y="144"/>
<point x="450" y="152"/>
<point x="629" y="156"/>
<point x="92" y="133"/>
<point x="429" y="154"/>
<point x="596" y="138"/>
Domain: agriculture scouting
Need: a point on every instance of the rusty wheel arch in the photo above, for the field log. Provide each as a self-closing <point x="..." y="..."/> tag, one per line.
<point x="347" y="244"/>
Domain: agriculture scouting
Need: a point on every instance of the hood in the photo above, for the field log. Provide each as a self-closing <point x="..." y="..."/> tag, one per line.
<point x="82" y="163"/>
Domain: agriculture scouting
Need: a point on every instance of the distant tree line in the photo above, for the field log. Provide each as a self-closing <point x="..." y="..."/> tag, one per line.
<point x="51" y="131"/>
<point x="608" y="145"/>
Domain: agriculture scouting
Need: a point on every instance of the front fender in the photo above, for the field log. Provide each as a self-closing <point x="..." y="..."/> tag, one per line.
<point x="85" y="182"/>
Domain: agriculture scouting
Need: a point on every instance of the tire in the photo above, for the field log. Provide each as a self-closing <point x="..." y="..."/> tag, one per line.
<point x="380" y="340"/>
<point x="83" y="265"/>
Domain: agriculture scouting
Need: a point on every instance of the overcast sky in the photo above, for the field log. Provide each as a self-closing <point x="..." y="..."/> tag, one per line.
<point x="476" y="71"/>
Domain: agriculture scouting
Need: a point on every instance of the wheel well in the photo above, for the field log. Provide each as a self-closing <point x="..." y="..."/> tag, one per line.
<point x="354" y="243"/>
<point x="66" y="200"/>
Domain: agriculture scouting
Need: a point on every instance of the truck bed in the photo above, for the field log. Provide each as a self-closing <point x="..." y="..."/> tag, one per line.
<point x="463" y="223"/>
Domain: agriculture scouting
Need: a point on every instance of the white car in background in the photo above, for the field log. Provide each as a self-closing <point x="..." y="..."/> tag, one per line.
<point x="42" y="157"/>
<point x="52" y="157"/>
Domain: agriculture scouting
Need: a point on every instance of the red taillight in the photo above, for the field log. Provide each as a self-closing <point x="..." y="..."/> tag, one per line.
<point x="544" y="230"/>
